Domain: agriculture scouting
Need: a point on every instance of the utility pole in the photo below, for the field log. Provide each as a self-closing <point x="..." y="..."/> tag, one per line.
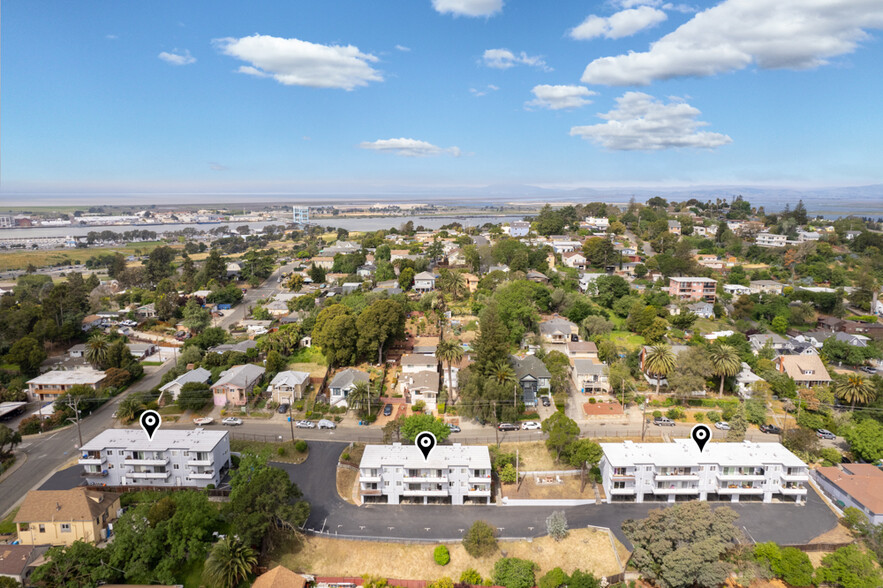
<point x="644" y="420"/>
<point x="75" y="404"/>
<point x="496" y="428"/>
<point x="290" y="421"/>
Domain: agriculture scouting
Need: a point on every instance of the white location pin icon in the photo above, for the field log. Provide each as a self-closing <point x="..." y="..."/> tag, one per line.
<point x="425" y="442"/>
<point x="701" y="434"/>
<point x="150" y="422"/>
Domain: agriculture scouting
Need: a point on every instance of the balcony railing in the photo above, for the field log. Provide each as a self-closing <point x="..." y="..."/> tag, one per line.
<point x="741" y="477"/>
<point x="370" y="491"/>
<point x="200" y="462"/>
<point x="150" y="475"/>
<point x="92" y="460"/>
<point x="369" y="478"/>
<point x="740" y="490"/>
<point x="88" y="474"/>
<point x="677" y="490"/>
<point x="148" y="462"/>
<point x="803" y="477"/>
<point x="626" y="490"/>
<point x="425" y="493"/>
<point x="202" y="475"/>
<point x="436" y="479"/>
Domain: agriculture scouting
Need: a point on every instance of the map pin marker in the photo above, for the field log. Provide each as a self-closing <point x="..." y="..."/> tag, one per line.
<point x="150" y="422"/>
<point x="701" y="434"/>
<point x="425" y="442"/>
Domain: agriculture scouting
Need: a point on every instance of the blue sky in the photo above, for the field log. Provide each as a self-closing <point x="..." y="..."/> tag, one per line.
<point x="349" y="96"/>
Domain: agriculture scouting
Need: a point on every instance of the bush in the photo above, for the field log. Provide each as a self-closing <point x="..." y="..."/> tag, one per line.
<point x="657" y="414"/>
<point x="234" y="460"/>
<point x="508" y="474"/>
<point x="713" y="416"/>
<point x="556" y="525"/>
<point x="675" y="413"/>
<point x="592" y="400"/>
<point x="699" y="417"/>
<point x="554" y="578"/>
<point x="470" y="576"/>
<point x="345" y="457"/>
<point x="831" y="456"/>
<point x="210" y="487"/>
<point x="300" y="446"/>
<point x="854" y="519"/>
<point x="480" y="539"/>
<point x="441" y="555"/>
<point x="513" y="572"/>
<point x="280" y="451"/>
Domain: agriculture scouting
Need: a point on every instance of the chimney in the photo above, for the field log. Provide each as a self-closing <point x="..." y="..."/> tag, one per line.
<point x="57" y="506"/>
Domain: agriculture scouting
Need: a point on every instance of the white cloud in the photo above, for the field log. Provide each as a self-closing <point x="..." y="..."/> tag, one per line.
<point x="504" y="59"/>
<point x="409" y="147"/>
<point x="622" y="24"/>
<point x="177" y="58"/>
<point x="794" y="34"/>
<point x="642" y="123"/>
<point x="293" y="62"/>
<point x="487" y="89"/>
<point x="215" y="166"/>
<point x="560" y="97"/>
<point x="403" y="48"/>
<point x="468" y="7"/>
<point x="111" y="37"/>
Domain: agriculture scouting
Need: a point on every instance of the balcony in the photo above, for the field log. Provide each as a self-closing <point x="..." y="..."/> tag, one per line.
<point x="793" y="491"/>
<point x="630" y="491"/>
<point x="88" y="474"/>
<point x="744" y="477"/>
<point x="149" y="475"/>
<point x="202" y="475"/>
<point x="478" y="480"/>
<point x="478" y="492"/>
<point x="425" y="493"/>
<point x="676" y="490"/>
<point x="200" y="462"/>
<point x="804" y="477"/>
<point x="622" y="477"/>
<point x="427" y="479"/>
<point x="96" y="461"/>
<point x="677" y="477"/>
<point x="147" y="462"/>
<point x="740" y="490"/>
<point x="370" y="492"/>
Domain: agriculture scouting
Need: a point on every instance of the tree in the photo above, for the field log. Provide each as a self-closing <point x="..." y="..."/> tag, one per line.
<point x="684" y="545"/>
<point x="158" y="265"/>
<point x="229" y="563"/>
<point x="558" y="365"/>
<point x="656" y="330"/>
<point x="379" y="324"/>
<point x="166" y="300"/>
<point x="406" y="278"/>
<point x="8" y="437"/>
<point x="194" y="396"/>
<point x="450" y="352"/>
<point x="336" y="333"/>
<point x="849" y="567"/>
<point x="584" y="452"/>
<point x="508" y="475"/>
<point x="418" y="423"/>
<point x="480" y="540"/>
<point x="865" y="440"/>
<point x="556" y="525"/>
<point x="610" y="289"/>
<point x="581" y="579"/>
<point x="562" y="431"/>
<point x="471" y="576"/>
<point x="790" y="564"/>
<point x="275" y="362"/>
<point x="599" y="251"/>
<point x="491" y="345"/>
<point x="74" y="566"/>
<point x="359" y="398"/>
<point x="779" y="325"/>
<point x="553" y="578"/>
<point x="513" y="572"/>
<point x="28" y="354"/>
<point x="196" y="318"/>
<point x="855" y="388"/>
<point x="726" y="362"/>
<point x="738" y="426"/>
<point x="659" y="362"/>
<point x="596" y="326"/>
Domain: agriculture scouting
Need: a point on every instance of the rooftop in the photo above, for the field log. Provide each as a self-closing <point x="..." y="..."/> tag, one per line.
<point x="863" y="482"/>
<point x="419" y="360"/>
<point x="240" y="375"/>
<point x="442" y="456"/>
<point x="684" y="452"/>
<point x="163" y="440"/>
<point x="78" y="504"/>
<point x="200" y="375"/>
<point x="290" y="378"/>
<point x="69" y="377"/>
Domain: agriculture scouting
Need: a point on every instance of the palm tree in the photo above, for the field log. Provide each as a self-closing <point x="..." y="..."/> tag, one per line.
<point x="129" y="407"/>
<point x="229" y="563"/>
<point x="725" y="361"/>
<point x="659" y="362"/>
<point x="359" y="397"/>
<point x="450" y="351"/>
<point x="855" y="388"/>
<point x="502" y="372"/>
<point x="96" y="350"/>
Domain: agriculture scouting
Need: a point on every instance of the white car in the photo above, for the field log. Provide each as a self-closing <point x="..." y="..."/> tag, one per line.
<point x="232" y="421"/>
<point x="722" y="425"/>
<point x="326" y="424"/>
<point x="530" y="426"/>
<point x="203" y="421"/>
<point x="306" y="425"/>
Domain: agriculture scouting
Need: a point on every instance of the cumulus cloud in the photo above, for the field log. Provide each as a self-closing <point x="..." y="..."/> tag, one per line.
<point x="793" y="34"/>
<point x="560" y="97"/>
<point x="468" y="7"/>
<point x="504" y="59"/>
<point x="642" y="123"/>
<point x="622" y="24"/>
<point x="177" y="58"/>
<point x="409" y="147"/>
<point x="293" y="62"/>
<point x="487" y="89"/>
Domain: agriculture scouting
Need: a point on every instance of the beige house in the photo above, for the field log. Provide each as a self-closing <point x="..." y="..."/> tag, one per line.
<point x="289" y="386"/>
<point x="807" y="371"/>
<point x="60" y="517"/>
<point x="471" y="281"/>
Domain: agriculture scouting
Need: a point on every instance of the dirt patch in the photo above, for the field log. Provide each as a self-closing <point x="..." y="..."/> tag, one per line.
<point x="838" y="534"/>
<point x="534" y="456"/>
<point x="568" y="489"/>
<point x="585" y="549"/>
<point x="316" y="370"/>
<point x="346" y="480"/>
<point x="355" y="454"/>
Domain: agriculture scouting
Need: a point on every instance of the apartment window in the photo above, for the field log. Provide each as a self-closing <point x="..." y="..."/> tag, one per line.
<point x="174" y="452"/>
<point x="176" y="466"/>
<point x="110" y="451"/>
<point x="42" y="528"/>
<point x="65" y="527"/>
<point x="618" y="471"/>
<point x="619" y="485"/>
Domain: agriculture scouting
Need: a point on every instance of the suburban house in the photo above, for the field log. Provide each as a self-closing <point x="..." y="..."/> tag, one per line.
<point x="599" y="223"/>
<point x="693" y="289"/>
<point x="60" y="517"/>
<point x="420" y="386"/>
<point x="674" y="227"/>
<point x="451" y="474"/>
<point x="859" y="485"/>
<point x="651" y="378"/>
<point x="455" y="373"/>
<point x="766" y="239"/>
<point x="289" y="386"/>
<point x="343" y="383"/>
<point x="737" y="290"/>
<point x="700" y="309"/>
<point x="279" y="577"/>
<point x="558" y="330"/>
<point x="587" y="281"/>
<point x="535" y="276"/>
<point x="169" y="392"/>
<point x="413" y="363"/>
<point x="667" y="472"/>
<point x="589" y="376"/>
<point x="745" y="381"/>
<point x="574" y="260"/>
<point x="18" y="561"/>
<point x="806" y="370"/>
<point x="424" y="282"/>
<point x="532" y="376"/>
<point x="148" y="311"/>
<point x="235" y="384"/>
<point x="519" y="229"/>
<point x="126" y="457"/>
<point x="759" y="341"/>
<point x="471" y="281"/>
<point x="766" y="287"/>
<point x="51" y="385"/>
<point x="241" y="347"/>
<point x="234" y="270"/>
<point x="582" y="350"/>
<point x="276" y="308"/>
<point x="425" y="345"/>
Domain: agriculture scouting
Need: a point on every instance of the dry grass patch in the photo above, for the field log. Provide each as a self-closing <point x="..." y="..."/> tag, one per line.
<point x="534" y="456"/>
<point x="346" y="482"/>
<point x="585" y="549"/>
<point x="838" y="534"/>
<point x="568" y="489"/>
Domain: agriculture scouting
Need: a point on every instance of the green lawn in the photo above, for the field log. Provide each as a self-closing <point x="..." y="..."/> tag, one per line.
<point x="308" y="355"/>
<point x="191" y="576"/>
<point x="7" y="527"/>
<point x="626" y="339"/>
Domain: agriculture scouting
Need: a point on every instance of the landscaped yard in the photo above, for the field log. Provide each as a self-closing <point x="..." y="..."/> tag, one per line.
<point x="7" y="527"/>
<point x="346" y="481"/>
<point x="289" y="455"/>
<point x="585" y="549"/>
<point x="13" y="260"/>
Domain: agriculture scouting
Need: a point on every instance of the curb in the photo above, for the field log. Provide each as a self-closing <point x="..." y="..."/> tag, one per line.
<point x="21" y="458"/>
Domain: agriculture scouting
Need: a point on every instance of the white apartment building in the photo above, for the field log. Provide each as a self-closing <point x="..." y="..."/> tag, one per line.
<point x="453" y="474"/>
<point x="770" y="240"/>
<point x="668" y="472"/>
<point x="126" y="457"/>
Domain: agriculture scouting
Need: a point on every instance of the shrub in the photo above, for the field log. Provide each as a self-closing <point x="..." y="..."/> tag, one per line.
<point x="443" y="582"/>
<point x="699" y="417"/>
<point x="300" y="446"/>
<point x="513" y="572"/>
<point x="234" y="460"/>
<point x="554" y="578"/>
<point x="592" y="400"/>
<point x="480" y="540"/>
<point x="831" y="456"/>
<point x="441" y="555"/>
<point x="556" y="525"/>
<point x="854" y="519"/>
<point x="674" y="413"/>
<point x="508" y="474"/>
<point x="657" y="414"/>
<point x="470" y="576"/>
<point x="280" y="451"/>
<point x="345" y="457"/>
<point x="713" y="416"/>
<point x="728" y="412"/>
<point x="210" y="487"/>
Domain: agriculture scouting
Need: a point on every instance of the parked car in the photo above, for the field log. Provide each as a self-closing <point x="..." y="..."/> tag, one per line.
<point x="387" y="410"/>
<point x="231" y="421"/>
<point x="825" y="434"/>
<point x="507" y="427"/>
<point x="530" y="426"/>
<point x="868" y="369"/>
<point x="663" y="422"/>
<point x="545" y="400"/>
<point x="326" y="424"/>
<point x="203" y="421"/>
<point x="306" y="424"/>
<point x="283" y="408"/>
<point x="722" y="425"/>
<point x="771" y="429"/>
<point x="454" y="428"/>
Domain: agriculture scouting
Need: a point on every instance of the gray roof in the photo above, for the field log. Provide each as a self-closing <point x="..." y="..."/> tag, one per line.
<point x="241" y="376"/>
<point x="426" y="380"/>
<point x="290" y="378"/>
<point x="529" y="366"/>
<point x="557" y="325"/>
<point x="424" y="276"/>
<point x="419" y="360"/>
<point x="854" y="340"/>
<point x="200" y="375"/>
<point x="587" y="366"/>
<point x="442" y="456"/>
<point x="242" y="346"/>
<point x="347" y="378"/>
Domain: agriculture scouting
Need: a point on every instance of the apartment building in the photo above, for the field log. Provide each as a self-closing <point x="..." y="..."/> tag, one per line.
<point x="126" y="457"/>
<point x="770" y="240"/>
<point x="453" y="474"/>
<point x="669" y="472"/>
<point x="693" y="289"/>
<point x="519" y="229"/>
<point x="51" y="385"/>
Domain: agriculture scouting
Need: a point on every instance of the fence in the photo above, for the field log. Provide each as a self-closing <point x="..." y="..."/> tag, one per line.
<point x="814" y="547"/>
<point x="217" y="492"/>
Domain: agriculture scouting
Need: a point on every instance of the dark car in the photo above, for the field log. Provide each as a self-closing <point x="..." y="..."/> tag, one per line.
<point x="771" y="429"/>
<point x="546" y="402"/>
<point x="387" y="410"/>
<point x="663" y="422"/>
<point x="507" y="427"/>
<point x="283" y="408"/>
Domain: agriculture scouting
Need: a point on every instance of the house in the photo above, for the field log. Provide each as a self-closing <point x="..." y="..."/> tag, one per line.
<point x="589" y="376"/>
<point x="859" y="485"/>
<point x="563" y="246"/>
<point x="500" y="267"/>
<point x="558" y="330"/>
<point x="638" y="472"/>
<point x="759" y="341"/>
<point x="234" y="270"/>
<point x="532" y="376"/>
<point x="674" y="227"/>
<point x="766" y="287"/>
<point x="235" y="384"/>
<point x="279" y="577"/>
<point x="471" y="281"/>
<point x="574" y="259"/>
<point x="702" y="309"/>
<point x="18" y="561"/>
<point x="343" y="383"/>
<point x="519" y="229"/>
<point x="169" y="392"/>
<point x="599" y="223"/>
<point x="805" y="236"/>
<point x="289" y="386"/>
<point x="276" y="308"/>
<point x="745" y="381"/>
<point x="425" y="345"/>
<point x="454" y="382"/>
<point x="413" y="363"/>
<point x="535" y="276"/>
<point x="424" y="282"/>
<point x="851" y="235"/>
<point x="172" y="457"/>
<point x="587" y="282"/>
<point x="737" y="290"/>
<point x="60" y="517"/>
<point x="366" y="271"/>
<point x="765" y="239"/>
<point x="324" y="261"/>
<point x="420" y="386"/>
<point x="91" y="321"/>
<point x="693" y="288"/>
<point x="148" y="311"/>
<point x="450" y="474"/>
<point x="582" y="350"/>
<point x="651" y="378"/>
<point x="51" y="385"/>
<point x="141" y="350"/>
<point x="806" y="370"/>
<point x="241" y="347"/>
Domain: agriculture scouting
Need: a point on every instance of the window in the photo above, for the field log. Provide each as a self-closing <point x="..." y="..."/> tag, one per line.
<point x="176" y="466"/>
<point x="110" y="451"/>
<point x="42" y="528"/>
<point x="65" y="527"/>
<point x="175" y="452"/>
<point x="619" y="485"/>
